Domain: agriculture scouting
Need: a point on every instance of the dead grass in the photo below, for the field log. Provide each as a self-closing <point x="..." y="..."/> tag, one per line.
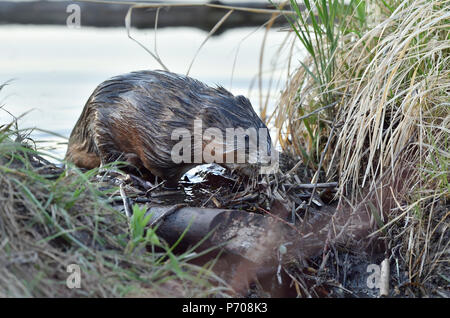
<point x="387" y="123"/>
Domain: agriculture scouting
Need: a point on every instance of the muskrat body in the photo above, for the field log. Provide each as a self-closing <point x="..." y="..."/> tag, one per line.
<point x="131" y="118"/>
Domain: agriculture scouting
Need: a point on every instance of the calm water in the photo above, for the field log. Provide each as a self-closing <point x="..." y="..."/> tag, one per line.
<point x="54" y="69"/>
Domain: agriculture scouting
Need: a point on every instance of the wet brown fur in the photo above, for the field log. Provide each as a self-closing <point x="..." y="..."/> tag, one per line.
<point x="131" y="117"/>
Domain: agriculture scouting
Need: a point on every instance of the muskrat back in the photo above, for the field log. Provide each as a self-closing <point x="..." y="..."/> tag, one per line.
<point x="131" y="117"/>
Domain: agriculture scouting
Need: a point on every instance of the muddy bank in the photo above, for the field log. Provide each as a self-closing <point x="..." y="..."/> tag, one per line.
<point x="264" y="236"/>
<point x="259" y="235"/>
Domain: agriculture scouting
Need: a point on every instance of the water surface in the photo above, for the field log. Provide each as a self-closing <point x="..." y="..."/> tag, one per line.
<point x="54" y="69"/>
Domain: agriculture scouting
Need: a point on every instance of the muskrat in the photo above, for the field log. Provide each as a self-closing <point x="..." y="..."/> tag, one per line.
<point x="132" y="117"/>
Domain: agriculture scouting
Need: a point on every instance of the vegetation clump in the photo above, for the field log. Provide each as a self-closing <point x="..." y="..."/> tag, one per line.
<point x="53" y="217"/>
<point x="369" y="107"/>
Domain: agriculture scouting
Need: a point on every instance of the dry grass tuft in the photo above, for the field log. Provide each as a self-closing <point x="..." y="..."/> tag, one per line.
<point x="385" y="114"/>
<point x="397" y="94"/>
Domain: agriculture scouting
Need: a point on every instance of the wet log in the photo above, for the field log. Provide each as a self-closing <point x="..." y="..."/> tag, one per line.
<point x="252" y="236"/>
<point x="113" y="15"/>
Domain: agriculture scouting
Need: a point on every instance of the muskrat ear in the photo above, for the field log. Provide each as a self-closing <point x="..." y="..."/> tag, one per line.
<point x="244" y="101"/>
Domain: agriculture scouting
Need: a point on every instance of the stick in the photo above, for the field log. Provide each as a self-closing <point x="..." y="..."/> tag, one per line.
<point x="125" y="201"/>
<point x="384" y="278"/>
<point x="168" y="212"/>
<point x="312" y="185"/>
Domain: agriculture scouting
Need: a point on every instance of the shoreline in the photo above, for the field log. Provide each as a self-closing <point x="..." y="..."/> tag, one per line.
<point x="113" y="15"/>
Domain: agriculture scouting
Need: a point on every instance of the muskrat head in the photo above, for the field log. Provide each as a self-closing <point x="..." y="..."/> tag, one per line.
<point x="235" y="136"/>
<point x="251" y="154"/>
